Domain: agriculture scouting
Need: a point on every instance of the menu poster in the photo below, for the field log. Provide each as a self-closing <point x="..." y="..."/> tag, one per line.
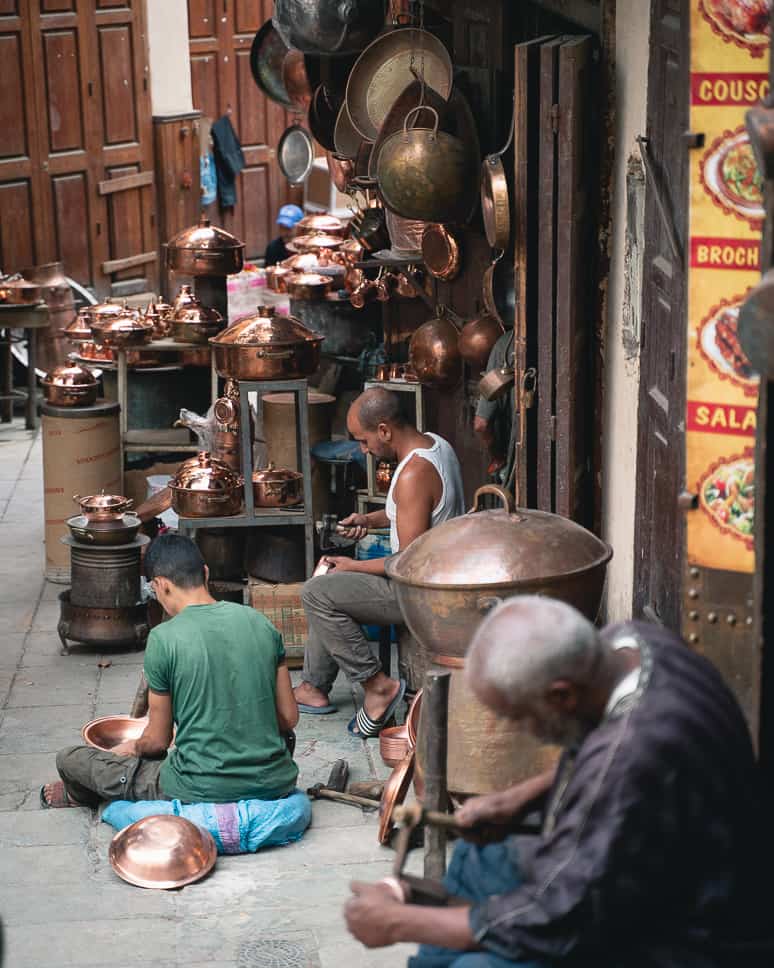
<point x="729" y="75"/>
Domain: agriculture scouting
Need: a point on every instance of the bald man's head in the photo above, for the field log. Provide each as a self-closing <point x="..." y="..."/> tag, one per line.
<point x="372" y="420"/>
<point x="529" y="651"/>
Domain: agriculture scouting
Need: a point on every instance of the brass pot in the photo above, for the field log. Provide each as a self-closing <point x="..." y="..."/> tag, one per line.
<point x="70" y="385"/>
<point x="121" y="330"/>
<point x="116" y="531"/>
<point x="205" y="250"/>
<point x="308" y="285"/>
<point x="425" y="173"/>
<point x="102" y="507"/>
<point x="267" y="347"/>
<point x="434" y="353"/>
<point x="477" y="338"/>
<point x="204" y="487"/>
<point x="450" y="577"/>
<point x="276" y="488"/>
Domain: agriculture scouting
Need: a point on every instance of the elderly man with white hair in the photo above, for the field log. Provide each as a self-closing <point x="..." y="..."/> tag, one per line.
<point x="654" y="841"/>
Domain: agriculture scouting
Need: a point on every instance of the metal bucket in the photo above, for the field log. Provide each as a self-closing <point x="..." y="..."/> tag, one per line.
<point x="105" y="577"/>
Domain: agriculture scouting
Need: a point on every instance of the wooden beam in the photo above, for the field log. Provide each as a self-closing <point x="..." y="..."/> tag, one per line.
<point x="140" y="180"/>
<point x="116" y="265"/>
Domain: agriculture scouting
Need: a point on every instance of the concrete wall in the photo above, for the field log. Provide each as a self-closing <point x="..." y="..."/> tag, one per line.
<point x="622" y="365"/>
<point x="170" y="72"/>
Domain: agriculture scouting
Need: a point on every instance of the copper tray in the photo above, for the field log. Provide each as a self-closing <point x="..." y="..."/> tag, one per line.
<point x="440" y="252"/>
<point x="412" y="720"/>
<point x="395" y="790"/>
<point x="162" y="851"/>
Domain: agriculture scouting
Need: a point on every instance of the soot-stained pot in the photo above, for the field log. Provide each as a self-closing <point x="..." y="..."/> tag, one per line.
<point x="205" y="250"/>
<point x="70" y="385"/>
<point x="267" y="347"/>
<point x="204" y="487"/>
<point x="449" y="577"/>
<point x="277" y="487"/>
<point x="329" y="26"/>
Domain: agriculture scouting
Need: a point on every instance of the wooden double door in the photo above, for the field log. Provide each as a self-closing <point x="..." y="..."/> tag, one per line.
<point x="76" y="150"/>
<point x="221" y="33"/>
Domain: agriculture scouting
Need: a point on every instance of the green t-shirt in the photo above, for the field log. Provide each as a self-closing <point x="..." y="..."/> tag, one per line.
<point x="219" y="663"/>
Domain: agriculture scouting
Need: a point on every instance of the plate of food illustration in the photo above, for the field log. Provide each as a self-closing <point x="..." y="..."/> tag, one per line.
<point x="719" y="344"/>
<point x="744" y="23"/>
<point x="727" y="495"/>
<point x="729" y="173"/>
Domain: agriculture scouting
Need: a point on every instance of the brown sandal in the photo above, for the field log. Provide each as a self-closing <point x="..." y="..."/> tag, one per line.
<point x="59" y="797"/>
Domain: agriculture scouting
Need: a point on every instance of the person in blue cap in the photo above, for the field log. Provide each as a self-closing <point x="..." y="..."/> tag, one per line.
<point x="288" y="218"/>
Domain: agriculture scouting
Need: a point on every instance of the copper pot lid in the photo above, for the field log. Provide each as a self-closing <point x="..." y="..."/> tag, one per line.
<point x="265" y="327"/>
<point x="70" y="374"/>
<point x="303" y="262"/>
<point x="324" y="224"/>
<point x="79" y="330"/>
<point x="205" y="236"/>
<point x="272" y="475"/>
<point x="184" y="298"/>
<point x="126" y="323"/>
<point x="102" y="503"/>
<point x="162" y="851"/>
<point x="497" y="548"/>
<point x="311" y="241"/>
<point x="205" y="473"/>
<point x="197" y="315"/>
<point x="107" y="310"/>
<point x="308" y="279"/>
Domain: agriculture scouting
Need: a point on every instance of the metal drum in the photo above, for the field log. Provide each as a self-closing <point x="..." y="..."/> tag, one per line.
<point x="105" y="576"/>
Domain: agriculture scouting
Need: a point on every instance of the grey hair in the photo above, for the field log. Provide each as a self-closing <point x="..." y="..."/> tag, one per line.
<point x="528" y="642"/>
<point x="377" y="405"/>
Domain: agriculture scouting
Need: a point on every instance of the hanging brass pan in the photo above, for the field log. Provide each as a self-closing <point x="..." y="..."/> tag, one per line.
<point x="495" y="205"/>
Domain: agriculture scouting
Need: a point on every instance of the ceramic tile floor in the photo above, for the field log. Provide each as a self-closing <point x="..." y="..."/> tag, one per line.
<point x="59" y="898"/>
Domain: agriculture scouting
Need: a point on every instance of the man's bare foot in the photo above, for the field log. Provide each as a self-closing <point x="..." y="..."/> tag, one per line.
<point x="380" y="690"/>
<point x="53" y="795"/>
<point x="310" y="695"/>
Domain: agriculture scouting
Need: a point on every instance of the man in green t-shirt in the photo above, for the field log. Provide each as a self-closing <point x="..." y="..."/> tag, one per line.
<point x="217" y="677"/>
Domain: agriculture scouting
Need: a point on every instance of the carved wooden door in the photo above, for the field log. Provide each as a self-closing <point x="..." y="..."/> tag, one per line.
<point x="76" y="169"/>
<point x="221" y="33"/>
<point x="659" y="537"/>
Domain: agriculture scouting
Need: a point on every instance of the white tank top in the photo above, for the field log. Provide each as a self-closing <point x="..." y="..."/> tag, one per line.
<point x="452" y="503"/>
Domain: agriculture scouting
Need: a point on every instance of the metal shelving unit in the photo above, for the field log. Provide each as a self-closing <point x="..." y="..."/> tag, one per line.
<point x="253" y="517"/>
<point x="398" y="386"/>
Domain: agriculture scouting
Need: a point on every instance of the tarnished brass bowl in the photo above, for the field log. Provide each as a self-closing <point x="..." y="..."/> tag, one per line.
<point x="162" y="851"/>
<point x="108" y="731"/>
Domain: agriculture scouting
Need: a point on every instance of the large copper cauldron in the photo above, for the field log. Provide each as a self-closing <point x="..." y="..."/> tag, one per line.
<point x="449" y="577"/>
<point x="205" y="250"/>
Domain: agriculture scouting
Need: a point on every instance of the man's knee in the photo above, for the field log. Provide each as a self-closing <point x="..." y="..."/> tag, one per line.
<point x="313" y="594"/>
<point x="69" y="761"/>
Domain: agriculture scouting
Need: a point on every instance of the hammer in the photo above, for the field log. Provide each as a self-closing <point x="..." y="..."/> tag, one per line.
<point x="337" y="784"/>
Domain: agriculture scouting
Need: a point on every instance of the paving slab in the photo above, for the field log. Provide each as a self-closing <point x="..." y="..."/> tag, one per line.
<point x="27" y="730"/>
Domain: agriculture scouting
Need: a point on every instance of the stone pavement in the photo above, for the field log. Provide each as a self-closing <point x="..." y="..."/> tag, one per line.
<point x="60" y="901"/>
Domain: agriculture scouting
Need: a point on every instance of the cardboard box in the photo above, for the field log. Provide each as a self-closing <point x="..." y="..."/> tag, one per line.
<point x="281" y="604"/>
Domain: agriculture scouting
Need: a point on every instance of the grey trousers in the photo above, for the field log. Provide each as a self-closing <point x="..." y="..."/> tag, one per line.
<point x="91" y="776"/>
<point x="336" y="606"/>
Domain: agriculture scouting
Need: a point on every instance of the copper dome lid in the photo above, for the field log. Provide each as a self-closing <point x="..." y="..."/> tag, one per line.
<point x="310" y="242"/>
<point x="498" y="548"/>
<point x="162" y="851"/>
<point x="326" y="224"/>
<point x="265" y="327"/>
<point x="205" y="473"/>
<point x="106" y="309"/>
<point x="79" y="330"/>
<point x="70" y="374"/>
<point x="205" y="236"/>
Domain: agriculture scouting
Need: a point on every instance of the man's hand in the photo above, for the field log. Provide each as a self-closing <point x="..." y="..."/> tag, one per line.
<point x="128" y="748"/>
<point x="371" y="913"/>
<point x="342" y="563"/>
<point x="492" y="817"/>
<point x="354" y="527"/>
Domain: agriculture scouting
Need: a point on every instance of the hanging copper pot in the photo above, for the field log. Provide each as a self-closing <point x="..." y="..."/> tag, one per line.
<point x="267" y="54"/>
<point x="295" y="80"/>
<point x="434" y="352"/>
<point x="440" y="252"/>
<point x="477" y="338"/>
<point x="341" y="169"/>
<point x="205" y="250"/>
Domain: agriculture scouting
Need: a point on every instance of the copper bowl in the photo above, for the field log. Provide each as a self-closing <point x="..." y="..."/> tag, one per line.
<point x="162" y="851"/>
<point x="394" y="745"/>
<point x="103" y="507"/>
<point x="108" y="731"/>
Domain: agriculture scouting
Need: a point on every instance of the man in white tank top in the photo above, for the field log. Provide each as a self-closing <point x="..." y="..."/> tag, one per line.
<point x="426" y="489"/>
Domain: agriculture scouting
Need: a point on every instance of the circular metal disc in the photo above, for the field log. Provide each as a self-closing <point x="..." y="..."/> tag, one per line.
<point x="295" y="154"/>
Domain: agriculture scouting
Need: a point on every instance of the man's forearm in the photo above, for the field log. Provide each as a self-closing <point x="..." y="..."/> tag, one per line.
<point x="520" y="796"/>
<point x="377" y="519"/>
<point x="148" y="745"/>
<point x="444" y="927"/>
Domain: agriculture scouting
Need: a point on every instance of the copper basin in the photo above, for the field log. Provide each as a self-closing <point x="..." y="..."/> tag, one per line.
<point x="108" y="731"/>
<point x="162" y="851"/>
